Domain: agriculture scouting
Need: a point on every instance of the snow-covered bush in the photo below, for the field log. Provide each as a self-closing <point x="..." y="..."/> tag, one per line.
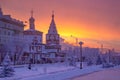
<point x="89" y="63"/>
<point x="99" y="61"/>
<point x="107" y="65"/>
<point x="7" y="70"/>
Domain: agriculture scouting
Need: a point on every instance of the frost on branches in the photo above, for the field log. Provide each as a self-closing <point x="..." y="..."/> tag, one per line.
<point x="7" y="70"/>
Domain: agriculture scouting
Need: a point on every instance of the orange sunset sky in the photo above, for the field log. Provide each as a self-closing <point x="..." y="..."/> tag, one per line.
<point x="93" y="21"/>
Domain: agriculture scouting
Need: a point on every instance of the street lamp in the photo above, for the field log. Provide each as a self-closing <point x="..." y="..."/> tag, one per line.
<point x="81" y="43"/>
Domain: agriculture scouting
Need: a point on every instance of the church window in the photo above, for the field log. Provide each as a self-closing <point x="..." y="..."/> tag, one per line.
<point x="0" y="32"/>
<point x="5" y="25"/>
<point x="32" y="47"/>
<point x="8" y="33"/>
<point x="52" y="37"/>
<point x="5" y="40"/>
<point x="39" y="47"/>
<point x="4" y="32"/>
<point x="36" y="48"/>
<point x="29" y="48"/>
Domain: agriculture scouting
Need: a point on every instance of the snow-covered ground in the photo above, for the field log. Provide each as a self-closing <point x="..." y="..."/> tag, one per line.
<point x="59" y="71"/>
<point x="107" y="74"/>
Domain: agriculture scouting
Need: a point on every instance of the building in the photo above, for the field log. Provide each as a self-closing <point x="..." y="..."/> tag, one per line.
<point x="53" y="46"/>
<point x="91" y="54"/>
<point x="25" y="46"/>
<point x="52" y="37"/>
<point x="11" y="36"/>
<point x="111" y="56"/>
<point x="33" y="43"/>
<point x="88" y="54"/>
<point x="32" y="33"/>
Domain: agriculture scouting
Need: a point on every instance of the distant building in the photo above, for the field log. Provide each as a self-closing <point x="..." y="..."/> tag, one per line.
<point x="91" y="54"/>
<point x="33" y="42"/>
<point x="111" y="57"/>
<point x="115" y="59"/>
<point x="26" y="46"/>
<point x="11" y="36"/>
<point x="87" y="53"/>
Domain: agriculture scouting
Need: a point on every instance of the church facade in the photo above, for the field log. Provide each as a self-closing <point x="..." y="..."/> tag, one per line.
<point x="53" y="46"/>
<point x="26" y="46"/>
<point x="36" y="51"/>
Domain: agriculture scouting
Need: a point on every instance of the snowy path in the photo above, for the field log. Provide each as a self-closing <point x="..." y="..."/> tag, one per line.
<point x="108" y="74"/>
<point x="64" y="74"/>
<point x="53" y="72"/>
<point x="22" y="71"/>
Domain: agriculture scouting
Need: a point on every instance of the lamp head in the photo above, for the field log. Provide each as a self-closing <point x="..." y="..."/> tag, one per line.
<point x="81" y="43"/>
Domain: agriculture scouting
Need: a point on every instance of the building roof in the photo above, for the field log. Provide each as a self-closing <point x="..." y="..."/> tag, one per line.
<point x="52" y="28"/>
<point x="32" y="32"/>
<point x="9" y="19"/>
<point x="31" y="21"/>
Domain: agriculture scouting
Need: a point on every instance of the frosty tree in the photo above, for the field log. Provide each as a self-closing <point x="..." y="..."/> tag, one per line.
<point x="99" y="61"/>
<point x="7" y="70"/>
<point x="89" y="62"/>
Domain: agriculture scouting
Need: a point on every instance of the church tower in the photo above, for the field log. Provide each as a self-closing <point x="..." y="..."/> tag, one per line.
<point x="52" y="37"/>
<point x="31" y="21"/>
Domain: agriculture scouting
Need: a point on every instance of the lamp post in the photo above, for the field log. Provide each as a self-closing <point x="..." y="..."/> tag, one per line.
<point x="109" y="55"/>
<point x="81" y="43"/>
<point x="14" y="58"/>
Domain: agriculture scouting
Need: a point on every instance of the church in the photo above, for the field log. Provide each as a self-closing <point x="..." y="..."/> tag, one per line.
<point x="53" y="46"/>
<point x="26" y="46"/>
<point x="37" y="52"/>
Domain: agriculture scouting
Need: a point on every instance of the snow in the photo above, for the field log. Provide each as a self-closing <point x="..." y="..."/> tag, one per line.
<point x="107" y="74"/>
<point x="59" y="71"/>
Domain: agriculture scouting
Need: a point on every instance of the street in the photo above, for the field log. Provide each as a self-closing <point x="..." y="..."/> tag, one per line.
<point x="108" y="74"/>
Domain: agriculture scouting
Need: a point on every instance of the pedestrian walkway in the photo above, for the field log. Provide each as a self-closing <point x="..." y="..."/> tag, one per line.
<point x="51" y="72"/>
<point x="108" y="74"/>
<point x="64" y="74"/>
